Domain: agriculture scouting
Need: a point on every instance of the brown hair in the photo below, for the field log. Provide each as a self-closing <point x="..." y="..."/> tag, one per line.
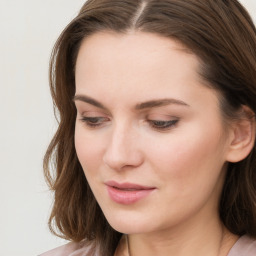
<point x="223" y="36"/>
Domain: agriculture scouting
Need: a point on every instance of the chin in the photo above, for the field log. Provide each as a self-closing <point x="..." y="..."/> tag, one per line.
<point x="127" y="228"/>
<point x="129" y="223"/>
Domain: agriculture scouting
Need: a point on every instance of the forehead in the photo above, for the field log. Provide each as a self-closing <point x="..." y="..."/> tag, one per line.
<point x="136" y="67"/>
<point x="132" y="46"/>
<point x="134" y="40"/>
<point x="112" y="54"/>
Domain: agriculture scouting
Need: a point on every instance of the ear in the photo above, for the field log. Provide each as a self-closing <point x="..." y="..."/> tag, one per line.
<point x="242" y="136"/>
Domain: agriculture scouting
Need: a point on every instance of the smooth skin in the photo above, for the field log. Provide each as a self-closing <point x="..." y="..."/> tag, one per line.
<point x="145" y="116"/>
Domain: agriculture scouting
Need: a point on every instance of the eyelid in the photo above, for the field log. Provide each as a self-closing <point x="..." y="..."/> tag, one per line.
<point x="161" y="124"/>
<point x="162" y="117"/>
<point x="91" y="113"/>
<point x="94" y="122"/>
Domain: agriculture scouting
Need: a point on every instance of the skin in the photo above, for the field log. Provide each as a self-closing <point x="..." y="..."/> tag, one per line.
<point x="185" y="162"/>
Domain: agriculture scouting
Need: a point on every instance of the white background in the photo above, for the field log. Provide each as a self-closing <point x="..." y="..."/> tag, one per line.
<point x="28" y="30"/>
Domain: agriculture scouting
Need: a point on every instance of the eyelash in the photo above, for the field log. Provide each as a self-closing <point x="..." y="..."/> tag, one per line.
<point x="163" y="125"/>
<point x="94" y="122"/>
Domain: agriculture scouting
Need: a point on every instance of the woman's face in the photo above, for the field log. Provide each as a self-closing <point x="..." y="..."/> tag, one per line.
<point x="149" y="135"/>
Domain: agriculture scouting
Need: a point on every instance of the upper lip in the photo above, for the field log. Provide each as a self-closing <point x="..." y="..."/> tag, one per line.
<point x="127" y="185"/>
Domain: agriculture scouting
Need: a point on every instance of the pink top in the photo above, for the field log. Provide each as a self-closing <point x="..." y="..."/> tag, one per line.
<point x="245" y="246"/>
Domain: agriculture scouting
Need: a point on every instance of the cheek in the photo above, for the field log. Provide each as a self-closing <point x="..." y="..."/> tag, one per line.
<point x="88" y="149"/>
<point x="190" y="157"/>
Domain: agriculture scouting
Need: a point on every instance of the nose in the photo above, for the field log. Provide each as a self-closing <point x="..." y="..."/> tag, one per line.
<point x="123" y="150"/>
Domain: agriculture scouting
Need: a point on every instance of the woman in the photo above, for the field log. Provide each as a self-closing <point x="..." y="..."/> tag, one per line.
<point x="155" y="151"/>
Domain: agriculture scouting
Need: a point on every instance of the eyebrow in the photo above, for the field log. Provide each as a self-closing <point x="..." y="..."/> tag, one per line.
<point x="89" y="100"/>
<point x="140" y="106"/>
<point x="160" y="103"/>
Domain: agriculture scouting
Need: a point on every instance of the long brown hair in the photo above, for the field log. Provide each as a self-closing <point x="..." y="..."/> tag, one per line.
<point x="222" y="35"/>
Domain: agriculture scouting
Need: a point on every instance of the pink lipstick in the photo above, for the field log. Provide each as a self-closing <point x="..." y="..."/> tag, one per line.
<point x="127" y="193"/>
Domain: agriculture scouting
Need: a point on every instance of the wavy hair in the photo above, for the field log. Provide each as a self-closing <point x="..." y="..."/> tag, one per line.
<point x="221" y="34"/>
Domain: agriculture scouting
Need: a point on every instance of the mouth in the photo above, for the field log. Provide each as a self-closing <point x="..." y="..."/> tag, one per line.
<point x="127" y="193"/>
<point x="127" y="189"/>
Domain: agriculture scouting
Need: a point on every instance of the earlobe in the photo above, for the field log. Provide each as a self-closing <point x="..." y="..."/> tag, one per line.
<point x="243" y="136"/>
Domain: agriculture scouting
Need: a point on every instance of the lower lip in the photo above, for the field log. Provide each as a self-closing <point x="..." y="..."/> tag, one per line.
<point x="127" y="196"/>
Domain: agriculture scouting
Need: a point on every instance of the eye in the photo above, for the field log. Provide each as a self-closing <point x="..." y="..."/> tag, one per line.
<point x="162" y="124"/>
<point x="94" y="122"/>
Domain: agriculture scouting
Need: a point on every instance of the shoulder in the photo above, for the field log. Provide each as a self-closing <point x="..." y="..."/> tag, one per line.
<point x="72" y="249"/>
<point x="245" y="246"/>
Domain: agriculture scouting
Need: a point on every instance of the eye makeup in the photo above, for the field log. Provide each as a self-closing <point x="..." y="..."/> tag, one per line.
<point x="94" y="122"/>
<point x="163" y="125"/>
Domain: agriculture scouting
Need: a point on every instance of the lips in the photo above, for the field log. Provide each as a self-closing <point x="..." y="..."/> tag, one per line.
<point x="127" y="193"/>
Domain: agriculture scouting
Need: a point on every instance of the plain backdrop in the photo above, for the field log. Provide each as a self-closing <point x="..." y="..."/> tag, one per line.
<point x="28" y="30"/>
